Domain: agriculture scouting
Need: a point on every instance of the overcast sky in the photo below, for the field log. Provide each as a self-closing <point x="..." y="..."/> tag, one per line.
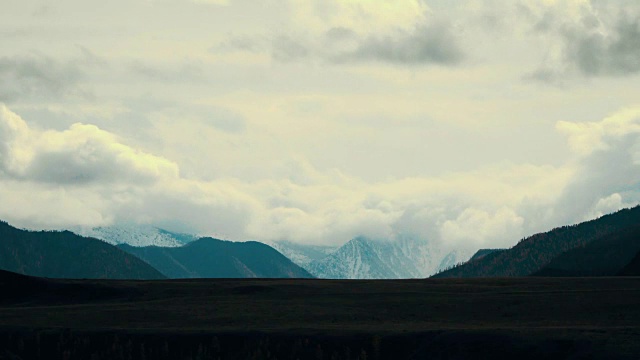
<point x="473" y="123"/>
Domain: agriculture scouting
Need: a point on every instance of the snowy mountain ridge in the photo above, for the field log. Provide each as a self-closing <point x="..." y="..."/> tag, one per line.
<point x="136" y="235"/>
<point x="301" y="254"/>
<point x="363" y="258"/>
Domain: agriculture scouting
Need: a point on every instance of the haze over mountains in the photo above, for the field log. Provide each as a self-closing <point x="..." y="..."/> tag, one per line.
<point x="606" y="246"/>
<point x="359" y="258"/>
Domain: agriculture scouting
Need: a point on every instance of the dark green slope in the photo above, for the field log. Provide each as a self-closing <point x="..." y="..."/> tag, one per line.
<point x="213" y="258"/>
<point x="534" y="253"/>
<point x="56" y="254"/>
<point x="605" y="256"/>
<point x="633" y="268"/>
<point x="483" y="252"/>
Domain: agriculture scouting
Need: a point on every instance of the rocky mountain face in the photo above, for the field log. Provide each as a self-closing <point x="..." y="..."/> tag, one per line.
<point x="302" y="254"/>
<point x="364" y="258"/>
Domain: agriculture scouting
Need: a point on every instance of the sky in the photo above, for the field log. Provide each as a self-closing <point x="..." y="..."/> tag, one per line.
<point x="473" y="123"/>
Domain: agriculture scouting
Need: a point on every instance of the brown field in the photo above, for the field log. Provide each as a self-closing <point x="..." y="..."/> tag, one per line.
<point x="520" y="318"/>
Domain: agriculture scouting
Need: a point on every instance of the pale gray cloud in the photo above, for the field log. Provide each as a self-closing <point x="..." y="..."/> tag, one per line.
<point x="38" y="76"/>
<point x="286" y="48"/>
<point x="585" y="38"/>
<point x="168" y="73"/>
<point x="430" y="43"/>
<point x="426" y="44"/>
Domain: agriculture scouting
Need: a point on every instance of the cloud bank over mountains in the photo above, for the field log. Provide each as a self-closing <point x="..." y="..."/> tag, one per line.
<point x="472" y="123"/>
<point x="88" y="176"/>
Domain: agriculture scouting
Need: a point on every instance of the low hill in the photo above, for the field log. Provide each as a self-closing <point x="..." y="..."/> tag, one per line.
<point x="606" y="256"/>
<point x="63" y="254"/>
<point x="213" y="258"/>
<point x="534" y="253"/>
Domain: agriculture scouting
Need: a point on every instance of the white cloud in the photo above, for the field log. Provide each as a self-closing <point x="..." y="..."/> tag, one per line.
<point x="587" y="137"/>
<point x="607" y="205"/>
<point x="83" y="154"/>
<point x="478" y="228"/>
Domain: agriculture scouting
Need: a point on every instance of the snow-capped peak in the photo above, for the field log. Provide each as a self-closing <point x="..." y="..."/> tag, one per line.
<point x="136" y="235"/>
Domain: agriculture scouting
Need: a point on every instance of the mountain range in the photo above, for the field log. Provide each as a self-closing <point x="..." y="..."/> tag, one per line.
<point x="213" y="258"/>
<point x="365" y="258"/>
<point x="607" y="246"/>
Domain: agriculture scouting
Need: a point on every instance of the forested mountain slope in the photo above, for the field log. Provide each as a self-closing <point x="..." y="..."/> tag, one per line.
<point x="534" y="253"/>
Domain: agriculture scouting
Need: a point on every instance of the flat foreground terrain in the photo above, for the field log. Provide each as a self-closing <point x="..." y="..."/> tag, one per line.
<point x="524" y="318"/>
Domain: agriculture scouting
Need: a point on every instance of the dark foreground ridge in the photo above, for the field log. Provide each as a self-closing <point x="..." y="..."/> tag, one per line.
<point x="62" y="254"/>
<point x="519" y="318"/>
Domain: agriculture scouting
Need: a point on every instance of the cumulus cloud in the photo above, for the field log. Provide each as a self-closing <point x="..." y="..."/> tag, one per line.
<point x="83" y="154"/>
<point x="607" y="165"/>
<point x="607" y="205"/>
<point x="490" y="207"/>
<point x="475" y="226"/>
<point x="587" y="137"/>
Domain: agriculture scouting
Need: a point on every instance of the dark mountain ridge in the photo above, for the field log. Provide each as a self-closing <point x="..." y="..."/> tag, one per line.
<point x="483" y="252"/>
<point x="532" y="254"/>
<point x="214" y="258"/>
<point x="605" y="256"/>
<point x="56" y="254"/>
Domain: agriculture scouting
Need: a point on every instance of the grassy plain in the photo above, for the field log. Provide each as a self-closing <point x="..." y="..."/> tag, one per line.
<point x="525" y="318"/>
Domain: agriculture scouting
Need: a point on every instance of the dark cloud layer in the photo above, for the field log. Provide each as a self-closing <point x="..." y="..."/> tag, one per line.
<point x="424" y="45"/>
<point x="616" y="52"/>
<point x="598" y="43"/>
<point x="427" y="44"/>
